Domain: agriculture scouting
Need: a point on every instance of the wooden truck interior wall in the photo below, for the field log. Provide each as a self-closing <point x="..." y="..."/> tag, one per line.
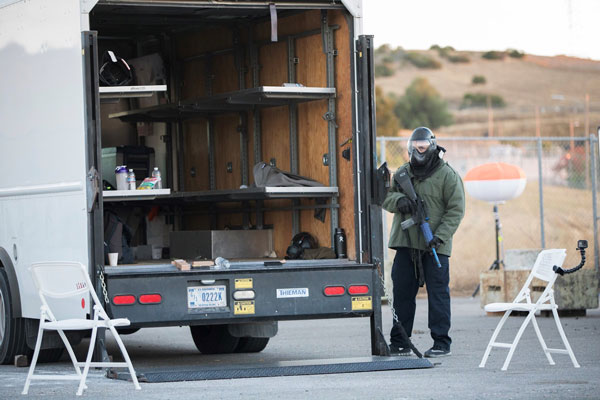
<point x="202" y="76"/>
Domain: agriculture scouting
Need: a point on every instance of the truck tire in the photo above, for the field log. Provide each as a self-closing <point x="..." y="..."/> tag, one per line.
<point x="12" y="330"/>
<point x="214" y="339"/>
<point x="252" y="344"/>
<point x="127" y="331"/>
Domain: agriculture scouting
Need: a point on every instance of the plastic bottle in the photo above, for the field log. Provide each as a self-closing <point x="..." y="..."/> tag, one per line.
<point x="221" y="262"/>
<point x="121" y="177"/>
<point x="156" y="174"/>
<point x="340" y="243"/>
<point x="131" y="180"/>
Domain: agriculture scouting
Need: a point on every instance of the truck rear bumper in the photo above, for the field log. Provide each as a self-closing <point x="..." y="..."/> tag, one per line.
<point x="161" y="295"/>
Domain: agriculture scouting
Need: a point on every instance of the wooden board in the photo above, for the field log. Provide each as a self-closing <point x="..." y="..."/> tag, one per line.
<point x="312" y="128"/>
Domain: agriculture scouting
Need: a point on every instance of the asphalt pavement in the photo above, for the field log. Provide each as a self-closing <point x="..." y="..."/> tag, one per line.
<point x="458" y="376"/>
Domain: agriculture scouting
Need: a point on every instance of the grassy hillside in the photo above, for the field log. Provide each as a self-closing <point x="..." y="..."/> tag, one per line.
<point x="556" y="86"/>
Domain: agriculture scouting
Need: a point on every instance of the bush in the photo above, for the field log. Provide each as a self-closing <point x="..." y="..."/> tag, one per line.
<point x="383" y="49"/>
<point x="515" y="53"/>
<point x="422" y="61"/>
<point x="388" y="55"/>
<point x="443" y="52"/>
<point x="471" y="100"/>
<point x="388" y="123"/>
<point x="478" y="80"/>
<point x="422" y="105"/>
<point x="458" y="58"/>
<point x="493" y="55"/>
<point x="383" y="70"/>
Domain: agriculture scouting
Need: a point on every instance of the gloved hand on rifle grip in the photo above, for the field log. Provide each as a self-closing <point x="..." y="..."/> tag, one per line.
<point x="405" y="205"/>
<point x="435" y="242"/>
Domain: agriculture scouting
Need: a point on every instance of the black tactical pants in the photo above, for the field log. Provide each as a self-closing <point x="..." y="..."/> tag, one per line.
<point x="438" y="296"/>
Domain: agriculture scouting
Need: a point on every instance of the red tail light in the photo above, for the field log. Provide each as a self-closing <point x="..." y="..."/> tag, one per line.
<point x="358" y="289"/>
<point x="150" y="298"/>
<point x="123" y="300"/>
<point x="334" y="290"/>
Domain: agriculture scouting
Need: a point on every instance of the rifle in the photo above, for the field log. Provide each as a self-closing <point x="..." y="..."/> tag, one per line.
<point x="419" y="215"/>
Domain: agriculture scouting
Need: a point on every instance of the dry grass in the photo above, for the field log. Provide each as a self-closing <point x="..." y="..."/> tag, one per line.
<point x="568" y="217"/>
<point x="525" y="84"/>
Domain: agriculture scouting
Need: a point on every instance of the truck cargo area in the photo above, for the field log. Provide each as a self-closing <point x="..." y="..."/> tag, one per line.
<point x="218" y="92"/>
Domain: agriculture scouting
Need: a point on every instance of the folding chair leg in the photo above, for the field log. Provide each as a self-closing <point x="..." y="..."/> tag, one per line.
<point x="516" y="341"/>
<point x="71" y="353"/>
<point x="564" y="338"/>
<point x="493" y="339"/>
<point x="126" y="357"/>
<point x="541" y="339"/>
<point x="36" y="353"/>
<point x="88" y="359"/>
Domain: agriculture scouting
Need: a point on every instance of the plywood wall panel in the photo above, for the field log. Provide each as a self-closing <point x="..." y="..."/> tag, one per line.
<point x="344" y="117"/>
<point x="312" y="128"/>
<point x="227" y="149"/>
<point x="290" y="25"/>
<point x="275" y="136"/>
<point x="196" y="155"/>
<point x="225" y="75"/>
<point x="273" y="64"/>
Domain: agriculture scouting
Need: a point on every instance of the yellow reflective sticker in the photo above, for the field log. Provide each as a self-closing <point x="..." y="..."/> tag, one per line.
<point x="362" y="303"/>
<point x="243" y="307"/>
<point x="244" y="283"/>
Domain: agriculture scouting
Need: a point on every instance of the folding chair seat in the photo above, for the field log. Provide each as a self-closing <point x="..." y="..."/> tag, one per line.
<point x="68" y="283"/>
<point x="543" y="270"/>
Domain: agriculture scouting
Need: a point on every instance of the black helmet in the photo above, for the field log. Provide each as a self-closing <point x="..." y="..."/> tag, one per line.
<point x="422" y="146"/>
<point x="300" y="242"/>
<point x="114" y="71"/>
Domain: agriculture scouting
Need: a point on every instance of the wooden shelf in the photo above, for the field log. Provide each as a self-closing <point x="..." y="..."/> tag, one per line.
<point x="134" y="195"/>
<point x="241" y="100"/>
<point x="214" y="196"/>
<point x="110" y="94"/>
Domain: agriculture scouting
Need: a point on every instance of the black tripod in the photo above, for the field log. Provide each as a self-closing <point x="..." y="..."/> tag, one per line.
<point x="497" y="262"/>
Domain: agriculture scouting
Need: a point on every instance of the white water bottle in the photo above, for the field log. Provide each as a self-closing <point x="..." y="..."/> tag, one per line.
<point x="131" y="180"/>
<point x="156" y="174"/>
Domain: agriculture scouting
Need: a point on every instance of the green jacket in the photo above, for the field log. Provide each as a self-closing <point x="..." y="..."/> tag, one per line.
<point x="444" y="197"/>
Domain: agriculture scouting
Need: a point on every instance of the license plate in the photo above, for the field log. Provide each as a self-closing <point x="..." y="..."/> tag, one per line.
<point x="207" y="296"/>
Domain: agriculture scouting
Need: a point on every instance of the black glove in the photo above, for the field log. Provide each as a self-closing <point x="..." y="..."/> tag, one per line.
<point x="435" y="242"/>
<point x="405" y="205"/>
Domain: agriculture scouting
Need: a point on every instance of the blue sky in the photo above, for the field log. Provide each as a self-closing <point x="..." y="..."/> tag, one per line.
<point x="541" y="27"/>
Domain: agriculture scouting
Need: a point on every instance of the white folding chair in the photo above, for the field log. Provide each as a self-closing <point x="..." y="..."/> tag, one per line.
<point x="542" y="270"/>
<point x="68" y="282"/>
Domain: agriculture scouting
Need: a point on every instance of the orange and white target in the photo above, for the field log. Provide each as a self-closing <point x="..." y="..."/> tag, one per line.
<point x="495" y="182"/>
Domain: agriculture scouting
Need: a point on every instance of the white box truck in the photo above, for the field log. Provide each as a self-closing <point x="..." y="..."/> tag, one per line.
<point x="207" y="91"/>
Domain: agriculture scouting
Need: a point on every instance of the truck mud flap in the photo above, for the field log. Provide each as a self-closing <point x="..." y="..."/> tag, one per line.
<point x="283" y="368"/>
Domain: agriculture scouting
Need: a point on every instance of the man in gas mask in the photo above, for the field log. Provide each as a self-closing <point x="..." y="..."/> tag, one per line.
<point x="441" y="190"/>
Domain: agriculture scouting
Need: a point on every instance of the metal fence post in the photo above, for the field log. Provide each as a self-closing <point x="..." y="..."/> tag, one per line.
<point x="593" y="173"/>
<point x="541" y="190"/>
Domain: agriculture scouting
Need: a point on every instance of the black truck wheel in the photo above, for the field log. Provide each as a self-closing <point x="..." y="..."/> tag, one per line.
<point x="214" y="339"/>
<point x="12" y="330"/>
<point x="252" y="344"/>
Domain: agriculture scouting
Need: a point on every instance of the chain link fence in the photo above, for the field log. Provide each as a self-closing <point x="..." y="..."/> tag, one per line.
<point x="557" y="207"/>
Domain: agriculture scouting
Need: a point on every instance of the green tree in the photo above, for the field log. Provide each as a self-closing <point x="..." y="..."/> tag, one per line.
<point x="422" y="105"/>
<point x="388" y="123"/>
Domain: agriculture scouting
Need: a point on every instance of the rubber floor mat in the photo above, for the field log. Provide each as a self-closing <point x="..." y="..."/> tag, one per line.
<point x="284" y="368"/>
